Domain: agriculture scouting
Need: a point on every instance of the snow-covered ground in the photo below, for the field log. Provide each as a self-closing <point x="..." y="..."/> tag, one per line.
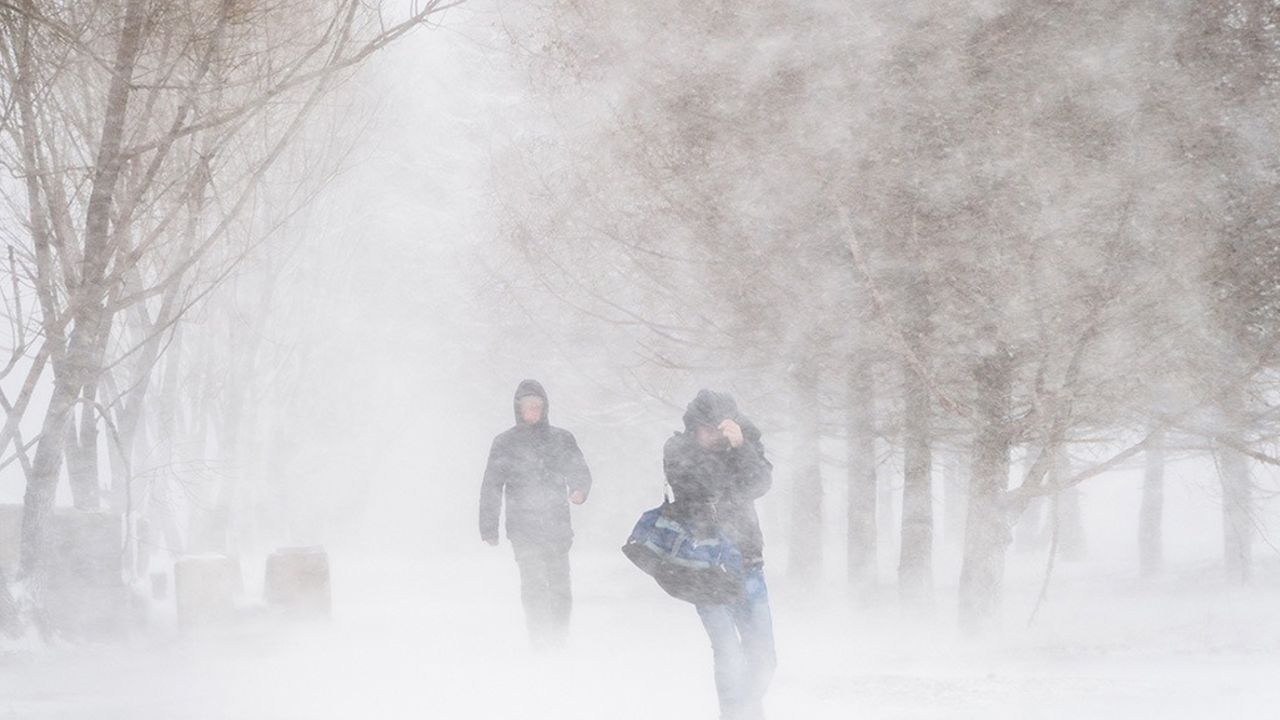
<point x="410" y="641"/>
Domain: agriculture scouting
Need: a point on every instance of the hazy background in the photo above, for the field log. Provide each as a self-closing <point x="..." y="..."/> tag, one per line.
<point x="391" y="317"/>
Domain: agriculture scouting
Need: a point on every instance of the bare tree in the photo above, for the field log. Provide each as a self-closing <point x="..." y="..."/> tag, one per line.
<point x="141" y="135"/>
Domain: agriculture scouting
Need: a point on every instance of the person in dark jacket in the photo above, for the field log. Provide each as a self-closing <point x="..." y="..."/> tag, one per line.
<point x="540" y="470"/>
<point x="717" y="469"/>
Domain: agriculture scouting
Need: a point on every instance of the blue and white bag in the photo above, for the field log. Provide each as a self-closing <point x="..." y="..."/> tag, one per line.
<point x="703" y="571"/>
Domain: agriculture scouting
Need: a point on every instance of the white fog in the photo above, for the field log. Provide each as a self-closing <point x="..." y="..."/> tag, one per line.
<point x="987" y="295"/>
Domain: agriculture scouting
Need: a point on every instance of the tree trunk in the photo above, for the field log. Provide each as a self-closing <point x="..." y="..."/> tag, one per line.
<point x="42" y="477"/>
<point x="805" y="562"/>
<point x="861" y="510"/>
<point x="987" y="534"/>
<point x="1151" y="517"/>
<point x="120" y="455"/>
<point x="915" y="559"/>
<point x="1237" y="514"/>
<point x="1031" y="527"/>
<point x="91" y="319"/>
<point x="165" y="418"/>
<point x="1067" y="514"/>
<point x="42" y="484"/>
<point x="81" y="367"/>
<point x="109" y="163"/>
<point x="82" y="452"/>
<point x="915" y="565"/>
<point x="887" y="515"/>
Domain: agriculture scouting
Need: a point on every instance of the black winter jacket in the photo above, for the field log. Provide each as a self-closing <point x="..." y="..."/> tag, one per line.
<point x="535" y="466"/>
<point x="718" y="487"/>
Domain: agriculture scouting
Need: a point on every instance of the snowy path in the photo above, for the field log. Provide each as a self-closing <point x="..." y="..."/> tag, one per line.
<point x="440" y="645"/>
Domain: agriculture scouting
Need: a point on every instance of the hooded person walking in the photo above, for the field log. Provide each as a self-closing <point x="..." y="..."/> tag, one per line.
<point x="539" y="470"/>
<point x="717" y="469"/>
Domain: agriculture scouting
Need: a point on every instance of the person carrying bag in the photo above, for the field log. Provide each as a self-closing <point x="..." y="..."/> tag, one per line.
<point x="704" y="545"/>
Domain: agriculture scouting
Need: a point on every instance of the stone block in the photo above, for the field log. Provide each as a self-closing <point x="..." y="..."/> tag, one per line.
<point x="297" y="580"/>
<point x="205" y="588"/>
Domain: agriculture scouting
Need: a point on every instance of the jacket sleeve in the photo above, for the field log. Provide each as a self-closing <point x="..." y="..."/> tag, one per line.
<point x="577" y="475"/>
<point x="752" y="470"/>
<point x="491" y="493"/>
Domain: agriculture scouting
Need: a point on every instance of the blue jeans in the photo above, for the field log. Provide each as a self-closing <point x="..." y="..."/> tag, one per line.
<point x="742" y="645"/>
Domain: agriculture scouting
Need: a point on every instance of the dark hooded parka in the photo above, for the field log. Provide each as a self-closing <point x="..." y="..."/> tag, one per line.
<point x="536" y="466"/>
<point x="718" y="486"/>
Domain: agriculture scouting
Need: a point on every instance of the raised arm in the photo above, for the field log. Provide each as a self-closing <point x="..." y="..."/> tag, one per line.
<point x="753" y="472"/>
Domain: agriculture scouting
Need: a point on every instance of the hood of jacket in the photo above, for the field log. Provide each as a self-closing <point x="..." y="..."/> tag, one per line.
<point x="534" y="388"/>
<point x="710" y="408"/>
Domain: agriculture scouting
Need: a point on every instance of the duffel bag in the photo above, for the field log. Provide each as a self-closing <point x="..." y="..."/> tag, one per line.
<point x="703" y="571"/>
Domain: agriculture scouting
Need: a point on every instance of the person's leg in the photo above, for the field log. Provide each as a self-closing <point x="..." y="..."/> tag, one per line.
<point x="559" y="594"/>
<point x="755" y="626"/>
<point x="730" y="663"/>
<point x="533" y="591"/>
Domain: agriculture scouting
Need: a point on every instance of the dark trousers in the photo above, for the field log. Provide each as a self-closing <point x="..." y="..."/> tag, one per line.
<point x="545" y="592"/>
